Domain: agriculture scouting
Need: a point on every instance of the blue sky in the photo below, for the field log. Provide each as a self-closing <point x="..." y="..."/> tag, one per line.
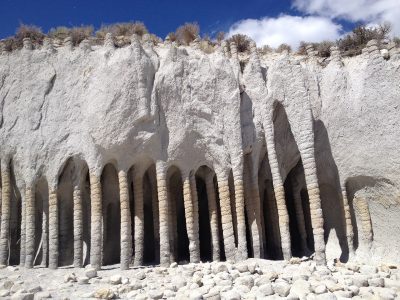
<point x="266" y="21"/>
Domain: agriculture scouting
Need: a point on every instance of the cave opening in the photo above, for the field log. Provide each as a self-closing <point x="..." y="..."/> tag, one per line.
<point x="204" y="220"/>
<point x="298" y="207"/>
<point x="15" y="221"/>
<point x="149" y="255"/>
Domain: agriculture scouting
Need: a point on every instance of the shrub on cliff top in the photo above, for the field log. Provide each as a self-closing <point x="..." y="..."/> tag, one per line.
<point x="187" y="33"/>
<point x="283" y="47"/>
<point x="122" y="29"/>
<point x="29" y="31"/>
<point x="242" y="42"/>
<point x="77" y="34"/>
<point x="354" y="42"/>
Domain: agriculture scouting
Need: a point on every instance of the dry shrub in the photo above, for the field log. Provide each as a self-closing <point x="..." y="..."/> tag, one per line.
<point x="78" y="34"/>
<point x="284" y="47"/>
<point x="28" y="31"/>
<point x="242" y="42"/>
<point x="10" y="44"/>
<point x="172" y="36"/>
<point x="302" y="50"/>
<point x="155" y="39"/>
<point x="396" y="40"/>
<point x="324" y="48"/>
<point x="60" y="33"/>
<point x="220" y="36"/>
<point x="265" y="49"/>
<point x="122" y="29"/>
<point x="206" y="46"/>
<point x="353" y="43"/>
<point x="187" y="33"/>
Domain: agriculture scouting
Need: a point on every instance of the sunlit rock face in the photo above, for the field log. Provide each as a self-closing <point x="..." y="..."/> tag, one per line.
<point x="154" y="154"/>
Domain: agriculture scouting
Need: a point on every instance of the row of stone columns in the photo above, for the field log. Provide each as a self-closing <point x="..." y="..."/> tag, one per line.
<point x="161" y="206"/>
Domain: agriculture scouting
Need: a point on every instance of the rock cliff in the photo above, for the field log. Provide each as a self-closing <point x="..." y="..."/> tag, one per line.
<point x="110" y="153"/>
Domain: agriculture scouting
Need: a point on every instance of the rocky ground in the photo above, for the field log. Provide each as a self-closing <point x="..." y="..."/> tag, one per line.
<point x="252" y="279"/>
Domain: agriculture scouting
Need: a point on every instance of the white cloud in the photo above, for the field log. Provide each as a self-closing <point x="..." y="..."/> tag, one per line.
<point x="287" y="29"/>
<point x="367" y="11"/>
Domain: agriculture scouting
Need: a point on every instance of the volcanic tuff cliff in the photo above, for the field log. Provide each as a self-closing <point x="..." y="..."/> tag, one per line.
<point x="292" y="154"/>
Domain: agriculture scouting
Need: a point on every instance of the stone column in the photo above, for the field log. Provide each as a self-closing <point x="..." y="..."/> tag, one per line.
<point x="226" y="216"/>
<point x="23" y="233"/>
<point x="53" y="229"/>
<point x="362" y="208"/>
<point x="349" y="225"/>
<point x="163" y="213"/>
<point x="96" y="221"/>
<point x="298" y="205"/>
<point x="241" y="221"/>
<point x="30" y="227"/>
<point x="279" y="191"/>
<point x="5" y="212"/>
<point x="193" y="236"/>
<point x="139" y="217"/>
<point x="213" y="215"/>
<point x="306" y="148"/>
<point x="78" y="227"/>
<point x="126" y="230"/>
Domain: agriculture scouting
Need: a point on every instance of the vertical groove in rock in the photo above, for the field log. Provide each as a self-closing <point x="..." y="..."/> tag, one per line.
<point x="213" y="215"/>
<point x="226" y="216"/>
<point x="139" y="218"/>
<point x="53" y="229"/>
<point x="30" y="227"/>
<point x="189" y="216"/>
<point x="96" y="221"/>
<point x="126" y="230"/>
<point x="163" y="213"/>
<point x="5" y="212"/>
<point x="283" y="217"/>
<point x="195" y="205"/>
<point x="78" y="226"/>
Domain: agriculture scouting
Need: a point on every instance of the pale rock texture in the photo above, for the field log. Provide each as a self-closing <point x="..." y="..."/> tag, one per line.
<point x="301" y="155"/>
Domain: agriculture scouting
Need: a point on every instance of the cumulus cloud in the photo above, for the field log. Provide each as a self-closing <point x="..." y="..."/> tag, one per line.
<point x="287" y="29"/>
<point x="367" y="11"/>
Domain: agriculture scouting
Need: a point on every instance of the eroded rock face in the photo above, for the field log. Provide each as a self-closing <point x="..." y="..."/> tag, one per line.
<point x="286" y="156"/>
